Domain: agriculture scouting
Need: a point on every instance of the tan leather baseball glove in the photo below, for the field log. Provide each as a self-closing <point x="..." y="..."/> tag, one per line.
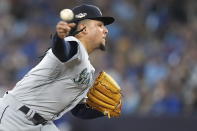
<point x="105" y="95"/>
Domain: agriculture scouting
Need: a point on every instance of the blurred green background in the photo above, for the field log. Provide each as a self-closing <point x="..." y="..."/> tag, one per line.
<point x="151" y="53"/>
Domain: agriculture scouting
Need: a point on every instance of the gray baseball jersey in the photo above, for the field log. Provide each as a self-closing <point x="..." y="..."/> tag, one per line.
<point x="52" y="87"/>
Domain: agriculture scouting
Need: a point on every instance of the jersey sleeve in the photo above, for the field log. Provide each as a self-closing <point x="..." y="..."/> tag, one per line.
<point x="64" y="50"/>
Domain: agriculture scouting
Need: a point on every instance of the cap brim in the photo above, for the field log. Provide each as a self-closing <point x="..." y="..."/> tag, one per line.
<point x="105" y="19"/>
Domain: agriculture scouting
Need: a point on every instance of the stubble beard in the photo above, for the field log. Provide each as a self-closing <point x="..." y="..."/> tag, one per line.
<point x="102" y="47"/>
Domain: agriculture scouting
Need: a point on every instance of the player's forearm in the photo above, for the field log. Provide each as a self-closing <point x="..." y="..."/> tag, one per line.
<point x="83" y="112"/>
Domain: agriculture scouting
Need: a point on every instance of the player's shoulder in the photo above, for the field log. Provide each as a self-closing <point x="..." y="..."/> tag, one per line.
<point x="82" y="53"/>
<point x="72" y="38"/>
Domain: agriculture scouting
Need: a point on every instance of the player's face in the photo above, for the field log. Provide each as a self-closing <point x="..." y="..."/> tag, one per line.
<point x="97" y="33"/>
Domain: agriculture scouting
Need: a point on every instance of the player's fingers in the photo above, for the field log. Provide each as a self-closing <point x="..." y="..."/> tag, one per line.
<point x="71" y="25"/>
<point x="62" y="34"/>
<point x="62" y="23"/>
<point x="66" y="29"/>
<point x="63" y="28"/>
<point x="61" y="31"/>
<point x="67" y="24"/>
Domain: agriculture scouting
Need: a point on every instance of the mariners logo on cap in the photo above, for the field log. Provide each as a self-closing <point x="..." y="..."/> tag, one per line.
<point x="80" y="15"/>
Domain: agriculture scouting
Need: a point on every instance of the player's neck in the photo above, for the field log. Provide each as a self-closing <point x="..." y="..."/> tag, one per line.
<point x="87" y="45"/>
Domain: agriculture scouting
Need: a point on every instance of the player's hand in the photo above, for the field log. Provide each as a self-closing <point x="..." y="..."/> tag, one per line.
<point x="63" y="28"/>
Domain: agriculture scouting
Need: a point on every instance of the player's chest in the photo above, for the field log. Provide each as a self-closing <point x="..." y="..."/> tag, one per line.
<point x="84" y="77"/>
<point x="81" y="75"/>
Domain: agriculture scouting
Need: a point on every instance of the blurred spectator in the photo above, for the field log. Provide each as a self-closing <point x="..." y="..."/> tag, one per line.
<point x="166" y="100"/>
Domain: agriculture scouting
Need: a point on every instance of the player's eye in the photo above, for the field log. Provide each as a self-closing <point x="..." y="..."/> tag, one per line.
<point x="100" y="24"/>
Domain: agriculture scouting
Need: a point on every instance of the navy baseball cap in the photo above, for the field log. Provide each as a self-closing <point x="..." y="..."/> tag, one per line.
<point x="92" y="12"/>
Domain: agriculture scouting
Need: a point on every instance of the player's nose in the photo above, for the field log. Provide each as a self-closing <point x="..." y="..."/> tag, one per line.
<point x="105" y="30"/>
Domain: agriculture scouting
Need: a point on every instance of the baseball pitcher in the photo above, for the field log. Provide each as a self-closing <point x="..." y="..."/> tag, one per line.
<point x="63" y="80"/>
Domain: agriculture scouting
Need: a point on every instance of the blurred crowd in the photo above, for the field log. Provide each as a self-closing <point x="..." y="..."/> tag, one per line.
<point x="151" y="49"/>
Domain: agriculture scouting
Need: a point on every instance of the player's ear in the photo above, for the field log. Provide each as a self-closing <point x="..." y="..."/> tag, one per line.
<point x="82" y="28"/>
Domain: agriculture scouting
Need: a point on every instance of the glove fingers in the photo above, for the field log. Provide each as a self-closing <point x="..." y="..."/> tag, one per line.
<point x="108" y="112"/>
<point x="102" y="97"/>
<point x="99" y="102"/>
<point x="108" y="80"/>
<point x="115" y="96"/>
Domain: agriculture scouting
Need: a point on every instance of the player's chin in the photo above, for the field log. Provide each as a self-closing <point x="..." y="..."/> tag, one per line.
<point x="102" y="47"/>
